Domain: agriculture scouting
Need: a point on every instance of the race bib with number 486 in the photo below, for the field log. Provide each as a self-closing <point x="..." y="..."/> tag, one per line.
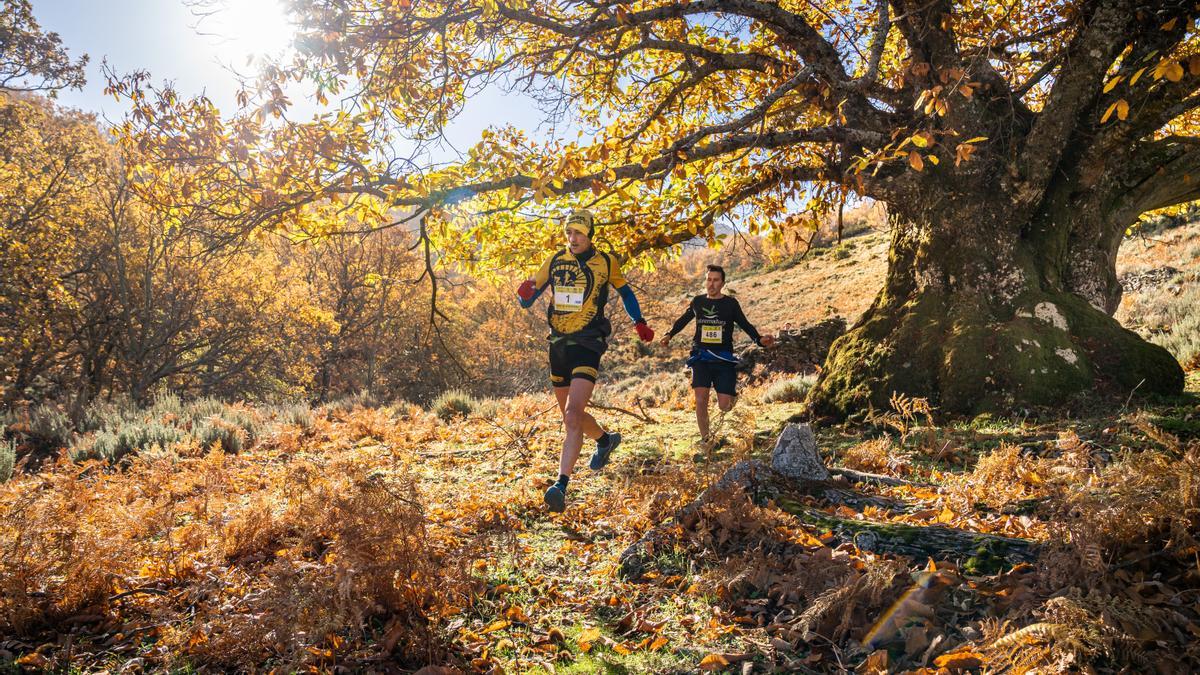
<point x="711" y="334"/>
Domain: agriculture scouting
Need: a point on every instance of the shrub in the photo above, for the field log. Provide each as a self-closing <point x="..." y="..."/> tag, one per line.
<point x="134" y="437"/>
<point x="488" y="407"/>
<point x="167" y="403"/>
<point x="201" y="409"/>
<point x="8" y="456"/>
<point x="793" y="390"/>
<point x="110" y="414"/>
<point x="244" y="419"/>
<point x="1171" y="320"/>
<point x="363" y="399"/>
<point x="105" y="445"/>
<point x="216" y="430"/>
<point x="293" y="414"/>
<point x="453" y="403"/>
<point x="45" y="427"/>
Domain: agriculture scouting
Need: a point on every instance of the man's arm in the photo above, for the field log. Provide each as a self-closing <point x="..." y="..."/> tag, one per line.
<point x="682" y="321"/>
<point x="742" y="322"/>
<point x="532" y="289"/>
<point x="617" y="280"/>
<point x="630" y="301"/>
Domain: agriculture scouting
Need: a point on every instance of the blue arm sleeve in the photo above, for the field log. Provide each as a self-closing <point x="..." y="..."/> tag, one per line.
<point x="631" y="304"/>
<point x="526" y="304"/>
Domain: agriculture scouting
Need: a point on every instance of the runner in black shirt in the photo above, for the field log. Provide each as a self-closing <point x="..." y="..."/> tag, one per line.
<point x="712" y="360"/>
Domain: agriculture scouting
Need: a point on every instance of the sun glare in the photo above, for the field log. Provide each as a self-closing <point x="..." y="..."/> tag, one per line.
<point x="246" y="29"/>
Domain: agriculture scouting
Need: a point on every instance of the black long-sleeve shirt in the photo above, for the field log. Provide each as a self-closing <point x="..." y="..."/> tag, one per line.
<point x="714" y="322"/>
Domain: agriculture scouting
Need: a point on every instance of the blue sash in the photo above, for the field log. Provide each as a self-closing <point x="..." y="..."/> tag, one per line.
<point x="712" y="356"/>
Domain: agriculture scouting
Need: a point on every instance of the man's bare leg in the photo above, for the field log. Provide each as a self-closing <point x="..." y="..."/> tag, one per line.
<point x="591" y="428"/>
<point x="725" y="402"/>
<point x="575" y="418"/>
<point x="702" y="412"/>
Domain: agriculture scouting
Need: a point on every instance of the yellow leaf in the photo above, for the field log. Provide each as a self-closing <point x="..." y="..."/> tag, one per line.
<point x="1174" y="71"/>
<point x="1108" y="113"/>
<point x="1194" y="64"/>
<point x="976" y="139"/>
<point x="915" y="161"/>
<point x="1122" y="109"/>
<point x="920" y="141"/>
<point x="1170" y="24"/>
<point x="934" y="159"/>
<point x="589" y="635"/>
<point x="1133" y="80"/>
<point x="713" y="662"/>
<point x="1112" y="83"/>
<point x="659" y="643"/>
<point x="622" y="649"/>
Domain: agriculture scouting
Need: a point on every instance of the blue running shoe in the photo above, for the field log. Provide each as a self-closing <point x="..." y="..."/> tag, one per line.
<point x="556" y="499"/>
<point x="600" y="457"/>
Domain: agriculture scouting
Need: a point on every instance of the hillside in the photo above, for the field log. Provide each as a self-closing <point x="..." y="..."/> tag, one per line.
<point x="1160" y="271"/>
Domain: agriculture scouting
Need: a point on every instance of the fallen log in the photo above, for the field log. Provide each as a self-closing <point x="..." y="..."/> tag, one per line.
<point x="797" y="471"/>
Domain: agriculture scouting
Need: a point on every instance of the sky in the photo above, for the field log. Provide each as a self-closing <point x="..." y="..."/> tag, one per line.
<point x="200" y="53"/>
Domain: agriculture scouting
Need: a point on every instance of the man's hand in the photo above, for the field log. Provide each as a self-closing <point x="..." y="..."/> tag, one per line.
<point x="525" y="292"/>
<point x="768" y="341"/>
<point x="644" y="331"/>
<point x="666" y="340"/>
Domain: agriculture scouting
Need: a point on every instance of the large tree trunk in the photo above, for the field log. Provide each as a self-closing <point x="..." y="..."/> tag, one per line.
<point x="982" y="313"/>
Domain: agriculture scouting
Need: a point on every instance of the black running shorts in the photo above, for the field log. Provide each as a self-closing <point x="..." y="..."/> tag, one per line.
<point x="569" y="361"/>
<point x="719" y="376"/>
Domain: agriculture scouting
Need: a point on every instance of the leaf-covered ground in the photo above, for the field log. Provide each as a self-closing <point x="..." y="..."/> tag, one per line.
<point x="386" y="540"/>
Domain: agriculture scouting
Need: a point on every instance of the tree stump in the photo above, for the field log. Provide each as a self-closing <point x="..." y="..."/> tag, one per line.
<point x="795" y="455"/>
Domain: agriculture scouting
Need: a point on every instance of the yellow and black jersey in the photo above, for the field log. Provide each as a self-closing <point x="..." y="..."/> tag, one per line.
<point x="579" y="292"/>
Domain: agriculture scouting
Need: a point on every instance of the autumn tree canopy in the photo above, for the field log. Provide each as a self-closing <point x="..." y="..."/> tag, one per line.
<point x="1013" y="143"/>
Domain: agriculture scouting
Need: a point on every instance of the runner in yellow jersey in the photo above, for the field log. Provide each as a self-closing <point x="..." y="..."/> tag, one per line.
<point x="579" y="279"/>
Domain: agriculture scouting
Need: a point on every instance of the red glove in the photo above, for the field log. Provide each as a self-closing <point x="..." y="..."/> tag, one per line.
<point x="645" y="332"/>
<point x="525" y="292"/>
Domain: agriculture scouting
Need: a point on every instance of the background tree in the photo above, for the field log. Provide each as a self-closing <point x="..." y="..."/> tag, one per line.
<point x="1013" y="144"/>
<point x="50" y="163"/>
<point x="30" y="59"/>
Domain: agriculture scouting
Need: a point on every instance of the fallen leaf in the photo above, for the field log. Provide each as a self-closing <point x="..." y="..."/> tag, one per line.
<point x="499" y="624"/>
<point x="438" y="670"/>
<point x="877" y="662"/>
<point x="959" y="660"/>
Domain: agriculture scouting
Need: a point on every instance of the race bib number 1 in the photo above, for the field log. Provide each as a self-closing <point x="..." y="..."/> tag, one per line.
<point x="710" y="334"/>
<point x="568" y="298"/>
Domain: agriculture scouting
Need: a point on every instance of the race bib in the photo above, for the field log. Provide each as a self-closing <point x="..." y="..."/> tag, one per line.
<point x="569" y="298"/>
<point x="711" y="334"/>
